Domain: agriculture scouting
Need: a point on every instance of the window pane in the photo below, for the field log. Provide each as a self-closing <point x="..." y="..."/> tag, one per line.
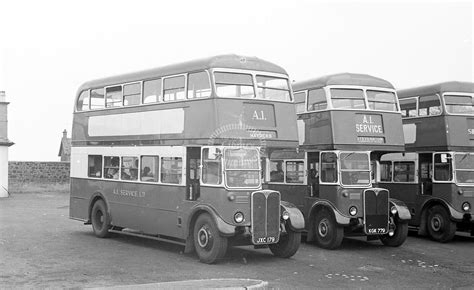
<point x="83" y="101"/>
<point x="97" y="99"/>
<point x="294" y="171"/>
<point x="328" y="167"/>
<point x="272" y="88"/>
<point x="211" y="168"/>
<point x="149" y="168"/>
<point x="408" y="107"/>
<point x="111" y="167"/>
<point x="171" y="170"/>
<point x="129" y="168"/>
<point x="113" y="96"/>
<point x="380" y="100"/>
<point x="95" y="166"/>
<point x="300" y="97"/>
<point x="429" y="105"/>
<point x="131" y="94"/>
<point x="233" y="85"/>
<point x="347" y="98"/>
<point x="276" y="171"/>
<point x="443" y="170"/>
<point x="404" y="171"/>
<point x="174" y="89"/>
<point x="317" y="100"/>
<point x="151" y="91"/>
<point x="233" y="78"/>
<point x="459" y="104"/>
<point x="386" y="171"/>
<point x="198" y="85"/>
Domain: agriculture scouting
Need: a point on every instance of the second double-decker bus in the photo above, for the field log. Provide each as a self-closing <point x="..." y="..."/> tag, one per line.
<point x="346" y="122"/>
<point x="173" y="154"/>
<point x="435" y="178"/>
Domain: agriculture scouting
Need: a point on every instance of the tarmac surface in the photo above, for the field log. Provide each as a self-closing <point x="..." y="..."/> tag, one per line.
<point x="40" y="247"/>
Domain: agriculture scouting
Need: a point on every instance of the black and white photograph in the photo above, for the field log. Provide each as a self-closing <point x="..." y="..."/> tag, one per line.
<point x="209" y="144"/>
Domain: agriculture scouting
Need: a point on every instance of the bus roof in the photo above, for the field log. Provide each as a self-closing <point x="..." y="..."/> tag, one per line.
<point x="461" y="87"/>
<point x="221" y="61"/>
<point x="342" y="79"/>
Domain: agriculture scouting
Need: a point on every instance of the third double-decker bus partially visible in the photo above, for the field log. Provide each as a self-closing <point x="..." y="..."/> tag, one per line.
<point x="346" y="122"/>
<point x="173" y="154"/>
<point x="435" y="178"/>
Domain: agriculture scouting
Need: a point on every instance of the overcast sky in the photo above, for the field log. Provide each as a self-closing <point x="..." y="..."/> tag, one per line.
<point x="49" y="48"/>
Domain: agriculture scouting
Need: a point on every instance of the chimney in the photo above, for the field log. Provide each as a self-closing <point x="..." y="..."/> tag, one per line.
<point x="65" y="134"/>
<point x="4" y="144"/>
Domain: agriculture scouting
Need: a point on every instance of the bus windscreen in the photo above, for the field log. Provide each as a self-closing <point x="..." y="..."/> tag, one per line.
<point x="348" y="98"/>
<point x="464" y="163"/>
<point x="355" y="168"/>
<point x="242" y="167"/>
<point x="456" y="104"/>
<point x="382" y="100"/>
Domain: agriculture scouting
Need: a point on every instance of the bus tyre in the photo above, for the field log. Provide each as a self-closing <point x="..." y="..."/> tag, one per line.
<point x="100" y="219"/>
<point x="399" y="236"/>
<point x="209" y="244"/>
<point x="440" y="226"/>
<point x="328" y="234"/>
<point x="288" y="244"/>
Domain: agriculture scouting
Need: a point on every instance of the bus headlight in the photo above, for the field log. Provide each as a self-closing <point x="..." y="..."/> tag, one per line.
<point x="231" y="196"/>
<point x="238" y="217"/>
<point x="353" y="210"/>
<point x="285" y="215"/>
<point x="466" y="206"/>
<point x="393" y="210"/>
<point x="460" y="191"/>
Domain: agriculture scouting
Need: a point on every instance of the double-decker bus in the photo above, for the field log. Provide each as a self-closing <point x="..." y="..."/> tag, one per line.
<point x="173" y="154"/>
<point x="435" y="178"/>
<point x="346" y="122"/>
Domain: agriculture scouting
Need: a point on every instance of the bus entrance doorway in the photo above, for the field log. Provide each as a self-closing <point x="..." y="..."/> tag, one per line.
<point x="313" y="174"/>
<point x="193" y="161"/>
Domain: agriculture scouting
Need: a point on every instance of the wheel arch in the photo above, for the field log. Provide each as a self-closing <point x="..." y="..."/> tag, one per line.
<point x="424" y="213"/>
<point x="323" y="205"/>
<point x="94" y="198"/>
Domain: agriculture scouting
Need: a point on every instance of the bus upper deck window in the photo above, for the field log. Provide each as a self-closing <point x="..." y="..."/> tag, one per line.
<point x="83" y="101"/>
<point x="151" y="91"/>
<point x="459" y="104"/>
<point x="317" y="100"/>
<point x="348" y="98"/>
<point x="429" y="105"/>
<point x="198" y="85"/>
<point x="273" y="88"/>
<point x="408" y="107"/>
<point x="173" y="88"/>
<point x="382" y="100"/>
<point x="113" y="97"/>
<point x="131" y="94"/>
<point x="234" y="85"/>
<point x="97" y="99"/>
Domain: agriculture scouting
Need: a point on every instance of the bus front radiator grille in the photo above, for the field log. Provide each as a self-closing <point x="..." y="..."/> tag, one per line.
<point x="376" y="210"/>
<point x="265" y="216"/>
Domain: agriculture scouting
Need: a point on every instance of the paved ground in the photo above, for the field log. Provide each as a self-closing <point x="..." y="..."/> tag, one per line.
<point x="41" y="247"/>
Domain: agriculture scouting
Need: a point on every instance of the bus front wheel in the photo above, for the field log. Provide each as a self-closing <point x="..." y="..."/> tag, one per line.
<point x="100" y="219"/>
<point x="288" y="244"/>
<point x="209" y="244"/>
<point x="328" y="234"/>
<point x="440" y="227"/>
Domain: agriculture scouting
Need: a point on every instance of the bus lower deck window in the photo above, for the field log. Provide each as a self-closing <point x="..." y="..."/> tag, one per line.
<point x="171" y="170"/>
<point x="95" y="166"/>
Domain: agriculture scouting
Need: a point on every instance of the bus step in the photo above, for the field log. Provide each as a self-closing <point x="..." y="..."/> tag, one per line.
<point x="147" y="236"/>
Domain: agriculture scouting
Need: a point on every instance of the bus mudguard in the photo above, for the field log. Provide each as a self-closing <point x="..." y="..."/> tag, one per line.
<point x="296" y="220"/>
<point x="340" y="218"/>
<point x="224" y="228"/>
<point x="402" y="210"/>
<point x="455" y="215"/>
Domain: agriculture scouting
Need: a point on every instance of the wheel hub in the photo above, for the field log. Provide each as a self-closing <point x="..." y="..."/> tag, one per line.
<point x="436" y="223"/>
<point x="204" y="237"/>
<point x="323" y="228"/>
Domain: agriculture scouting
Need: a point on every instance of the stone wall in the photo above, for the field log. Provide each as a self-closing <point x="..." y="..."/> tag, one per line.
<point x="23" y="172"/>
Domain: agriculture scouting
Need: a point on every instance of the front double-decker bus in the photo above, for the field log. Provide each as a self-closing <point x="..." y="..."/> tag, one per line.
<point x="435" y="178"/>
<point x="173" y="154"/>
<point x="346" y="122"/>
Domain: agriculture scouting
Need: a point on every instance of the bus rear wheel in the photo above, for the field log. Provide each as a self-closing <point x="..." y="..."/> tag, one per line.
<point x="440" y="226"/>
<point x="100" y="219"/>
<point x="399" y="236"/>
<point x="288" y="244"/>
<point x="328" y="234"/>
<point x="209" y="244"/>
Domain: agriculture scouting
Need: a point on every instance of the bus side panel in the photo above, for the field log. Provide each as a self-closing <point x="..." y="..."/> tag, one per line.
<point x="294" y="194"/>
<point x="409" y="193"/>
<point x="80" y="197"/>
